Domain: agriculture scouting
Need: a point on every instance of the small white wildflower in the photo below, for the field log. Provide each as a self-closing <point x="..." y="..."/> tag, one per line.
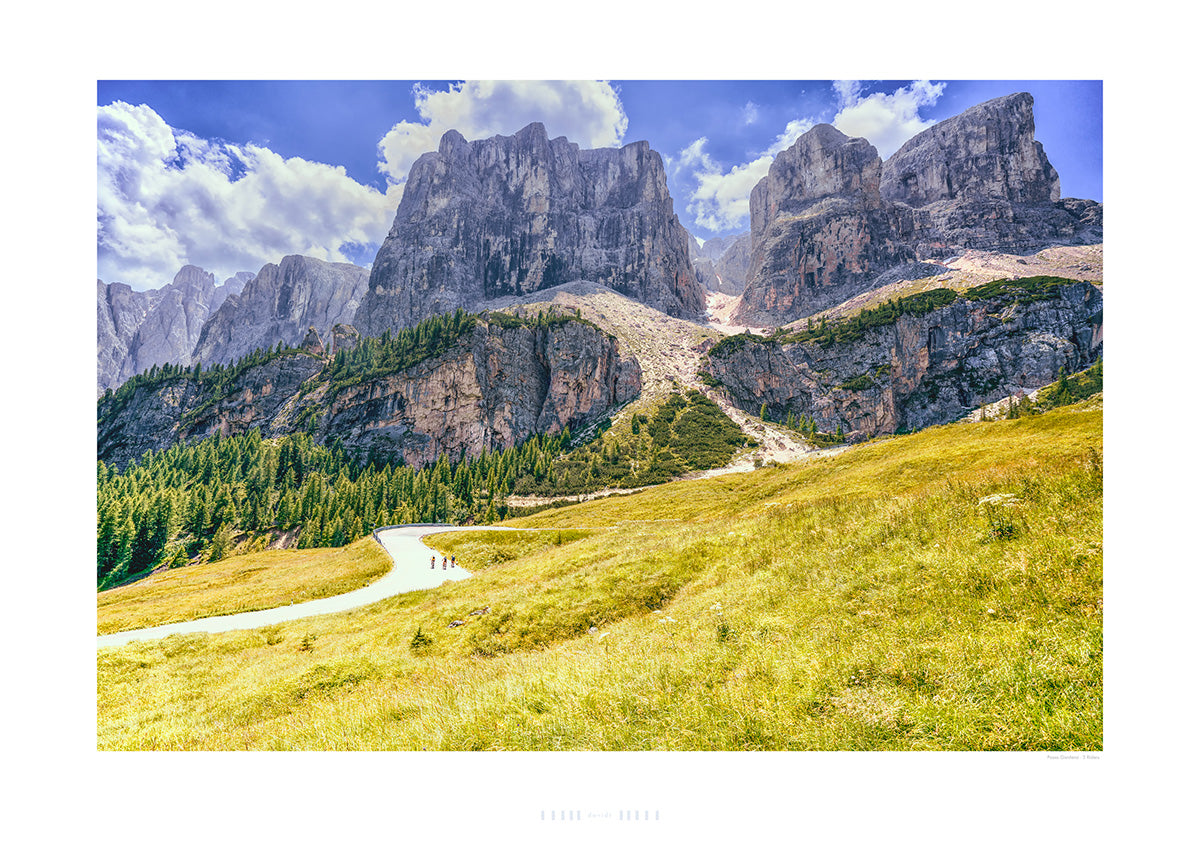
<point x="668" y="618"/>
<point x="1000" y="499"/>
<point x="716" y="606"/>
<point x="991" y="611"/>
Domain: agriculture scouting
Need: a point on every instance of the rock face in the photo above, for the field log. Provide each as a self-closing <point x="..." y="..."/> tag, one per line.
<point x="820" y="229"/>
<point x="733" y="265"/>
<point x="721" y="263"/>
<point x="135" y="330"/>
<point x="830" y="219"/>
<point x="923" y="369"/>
<point x="981" y="180"/>
<point x="496" y="386"/>
<point x="514" y="214"/>
<point x="158" y="415"/>
<point x="279" y="305"/>
<point x="987" y="152"/>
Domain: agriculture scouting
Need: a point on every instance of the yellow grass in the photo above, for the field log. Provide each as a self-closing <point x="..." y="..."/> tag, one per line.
<point x="240" y="584"/>
<point x="872" y="600"/>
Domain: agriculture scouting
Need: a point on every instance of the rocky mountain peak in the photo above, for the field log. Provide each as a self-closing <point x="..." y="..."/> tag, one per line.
<point x="509" y="215"/>
<point x="279" y="305"/>
<point x="137" y="329"/>
<point x="987" y="152"/>
<point x="822" y="163"/>
<point x="820" y="231"/>
<point x="193" y="277"/>
<point x="830" y="220"/>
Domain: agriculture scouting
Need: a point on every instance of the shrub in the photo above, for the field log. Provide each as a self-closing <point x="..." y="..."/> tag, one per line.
<point x="420" y="641"/>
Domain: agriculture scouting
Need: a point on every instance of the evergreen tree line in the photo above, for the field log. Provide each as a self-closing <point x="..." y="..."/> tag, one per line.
<point x="1067" y="389"/>
<point x="193" y="500"/>
<point x="214" y="382"/>
<point x="687" y="432"/>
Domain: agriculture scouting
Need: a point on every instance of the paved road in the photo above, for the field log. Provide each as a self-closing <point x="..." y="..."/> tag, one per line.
<point x="410" y="571"/>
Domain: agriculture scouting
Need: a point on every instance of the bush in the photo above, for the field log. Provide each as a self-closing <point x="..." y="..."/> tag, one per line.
<point x="420" y="641"/>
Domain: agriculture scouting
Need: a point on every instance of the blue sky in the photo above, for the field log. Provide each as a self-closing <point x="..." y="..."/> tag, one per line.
<point x="230" y="175"/>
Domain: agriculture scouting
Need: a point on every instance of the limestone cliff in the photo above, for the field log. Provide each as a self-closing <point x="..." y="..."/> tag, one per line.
<point x="920" y="369"/>
<point x="135" y="330"/>
<point x="279" y="305"/>
<point x="820" y="230"/>
<point x="500" y="382"/>
<point x="733" y="265"/>
<point x="721" y="263"/>
<point x="514" y="214"/>
<point x="981" y="180"/>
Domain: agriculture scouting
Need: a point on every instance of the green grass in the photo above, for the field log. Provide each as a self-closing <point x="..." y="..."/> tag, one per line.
<point x="938" y="591"/>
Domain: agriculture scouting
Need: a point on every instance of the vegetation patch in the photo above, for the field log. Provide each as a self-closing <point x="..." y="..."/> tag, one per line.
<point x="859" y="383"/>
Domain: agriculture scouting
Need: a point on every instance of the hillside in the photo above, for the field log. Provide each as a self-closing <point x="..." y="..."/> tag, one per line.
<point x="937" y="591"/>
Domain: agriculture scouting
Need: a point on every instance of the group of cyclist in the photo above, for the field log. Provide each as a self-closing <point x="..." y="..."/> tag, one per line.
<point x="433" y="562"/>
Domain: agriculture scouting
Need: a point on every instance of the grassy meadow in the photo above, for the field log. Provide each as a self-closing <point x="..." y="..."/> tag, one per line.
<point x="240" y="584"/>
<point x="935" y="591"/>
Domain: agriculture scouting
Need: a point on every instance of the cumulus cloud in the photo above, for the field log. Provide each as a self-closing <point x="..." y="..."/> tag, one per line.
<point x="721" y="200"/>
<point x="886" y="120"/>
<point x="166" y="198"/>
<point x="587" y="112"/>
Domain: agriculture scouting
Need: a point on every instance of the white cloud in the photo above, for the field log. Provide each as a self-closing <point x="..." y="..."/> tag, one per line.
<point x="721" y="200"/>
<point x="750" y="112"/>
<point x="589" y="113"/>
<point x="166" y="198"/>
<point x="886" y="120"/>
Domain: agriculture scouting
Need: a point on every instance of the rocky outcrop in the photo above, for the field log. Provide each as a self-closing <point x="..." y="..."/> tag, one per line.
<point x="279" y="305"/>
<point x="921" y="369"/>
<point x="135" y="330"/>
<point x="158" y="414"/>
<point x="515" y="214"/>
<point x="712" y="248"/>
<point x="981" y="180"/>
<point x="733" y="265"/>
<point x="119" y="312"/>
<point x="820" y="230"/>
<point x="721" y="263"/>
<point x="500" y="383"/>
<point x="830" y="219"/>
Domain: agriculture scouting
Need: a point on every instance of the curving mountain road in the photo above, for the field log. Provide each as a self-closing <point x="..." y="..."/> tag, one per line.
<point x="410" y="571"/>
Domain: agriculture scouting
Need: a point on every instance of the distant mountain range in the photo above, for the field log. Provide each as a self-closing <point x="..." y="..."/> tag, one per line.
<point x="483" y="222"/>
